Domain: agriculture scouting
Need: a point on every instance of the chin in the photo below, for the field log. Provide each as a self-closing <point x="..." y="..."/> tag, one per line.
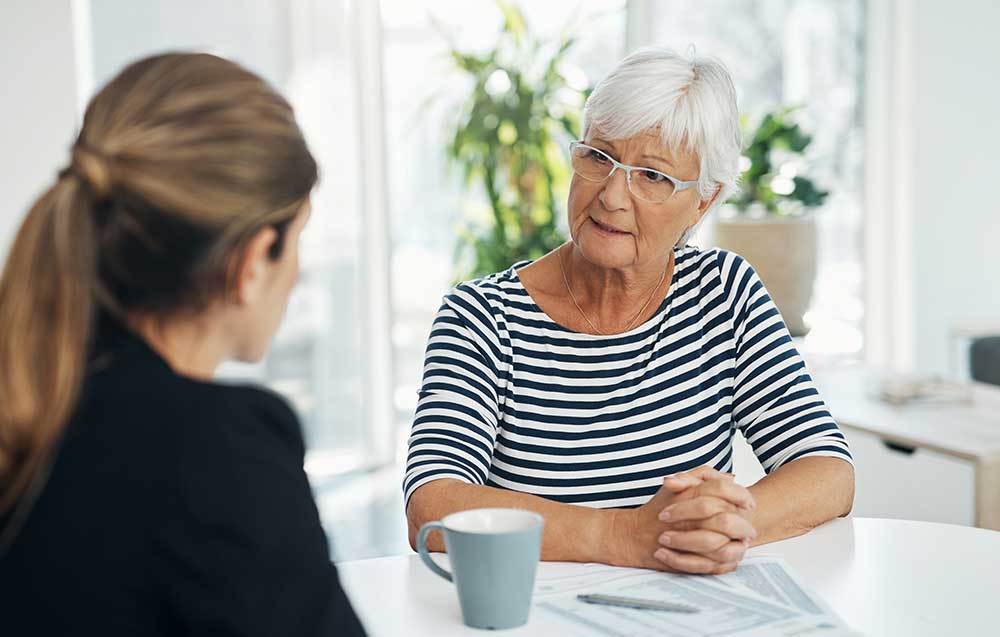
<point x="606" y="254"/>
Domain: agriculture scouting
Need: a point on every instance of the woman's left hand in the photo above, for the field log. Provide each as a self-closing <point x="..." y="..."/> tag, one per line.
<point x="708" y="527"/>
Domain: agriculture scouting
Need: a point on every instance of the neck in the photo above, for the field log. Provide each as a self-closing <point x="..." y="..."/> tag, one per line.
<point x="193" y="347"/>
<point x="614" y="295"/>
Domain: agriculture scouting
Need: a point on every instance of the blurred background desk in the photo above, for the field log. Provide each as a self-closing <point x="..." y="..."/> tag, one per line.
<point x="928" y="461"/>
<point x="883" y="577"/>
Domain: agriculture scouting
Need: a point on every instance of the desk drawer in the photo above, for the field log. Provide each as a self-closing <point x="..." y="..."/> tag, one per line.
<point x="910" y="484"/>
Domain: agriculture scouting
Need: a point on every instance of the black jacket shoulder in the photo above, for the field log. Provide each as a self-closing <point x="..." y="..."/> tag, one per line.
<point x="174" y="506"/>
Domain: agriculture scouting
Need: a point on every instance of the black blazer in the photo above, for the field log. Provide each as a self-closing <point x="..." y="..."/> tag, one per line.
<point x="174" y="507"/>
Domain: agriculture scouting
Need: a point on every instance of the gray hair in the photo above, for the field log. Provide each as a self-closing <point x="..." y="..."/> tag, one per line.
<point x="690" y="101"/>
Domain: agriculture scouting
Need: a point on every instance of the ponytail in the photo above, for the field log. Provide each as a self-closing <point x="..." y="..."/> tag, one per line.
<point x="179" y="158"/>
<point x="47" y="311"/>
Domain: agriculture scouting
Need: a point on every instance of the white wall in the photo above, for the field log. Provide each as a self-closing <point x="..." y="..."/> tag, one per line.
<point x="251" y="32"/>
<point x="38" y="111"/>
<point x="956" y="171"/>
<point x="39" y="70"/>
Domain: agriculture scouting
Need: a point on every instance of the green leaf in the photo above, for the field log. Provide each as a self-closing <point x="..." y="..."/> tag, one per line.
<point x="776" y="131"/>
<point x="510" y="146"/>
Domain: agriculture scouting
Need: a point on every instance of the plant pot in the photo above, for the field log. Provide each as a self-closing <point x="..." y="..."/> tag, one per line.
<point x="783" y="252"/>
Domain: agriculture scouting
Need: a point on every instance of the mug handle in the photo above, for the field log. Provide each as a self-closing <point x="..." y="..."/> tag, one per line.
<point x="422" y="549"/>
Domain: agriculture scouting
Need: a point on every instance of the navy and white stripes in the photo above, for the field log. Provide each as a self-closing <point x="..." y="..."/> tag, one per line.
<point x="513" y="400"/>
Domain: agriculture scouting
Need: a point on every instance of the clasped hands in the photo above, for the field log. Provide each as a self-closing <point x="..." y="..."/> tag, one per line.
<point x="698" y="522"/>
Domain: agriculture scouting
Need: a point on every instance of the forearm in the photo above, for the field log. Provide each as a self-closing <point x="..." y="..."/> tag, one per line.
<point x="572" y="533"/>
<point x="800" y="496"/>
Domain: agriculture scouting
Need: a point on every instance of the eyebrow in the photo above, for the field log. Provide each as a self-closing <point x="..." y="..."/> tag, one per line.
<point x="598" y="140"/>
<point x="611" y="144"/>
<point x="657" y="158"/>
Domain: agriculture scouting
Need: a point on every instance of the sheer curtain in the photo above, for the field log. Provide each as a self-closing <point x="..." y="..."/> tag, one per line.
<point x="308" y="50"/>
<point x="807" y="52"/>
<point x="426" y="201"/>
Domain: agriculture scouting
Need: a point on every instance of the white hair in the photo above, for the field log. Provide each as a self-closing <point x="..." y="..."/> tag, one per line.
<point x="690" y="101"/>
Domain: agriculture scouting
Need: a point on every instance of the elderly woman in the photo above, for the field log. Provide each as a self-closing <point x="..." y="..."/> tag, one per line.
<point x="602" y="384"/>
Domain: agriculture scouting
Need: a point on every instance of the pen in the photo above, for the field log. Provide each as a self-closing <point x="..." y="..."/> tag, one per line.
<point x="634" y="602"/>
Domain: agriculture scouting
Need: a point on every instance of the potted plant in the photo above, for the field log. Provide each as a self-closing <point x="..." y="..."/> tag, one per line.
<point x="769" y="222"/>
<point x="509" y="138"/>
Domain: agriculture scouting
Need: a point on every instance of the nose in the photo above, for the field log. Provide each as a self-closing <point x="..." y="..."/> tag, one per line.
<point x="615" y="194"/>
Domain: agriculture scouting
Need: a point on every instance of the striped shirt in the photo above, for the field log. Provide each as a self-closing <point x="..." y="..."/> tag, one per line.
<point x="513" y="400"/>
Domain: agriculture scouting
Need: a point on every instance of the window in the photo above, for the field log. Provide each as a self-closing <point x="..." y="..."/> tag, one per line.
<point x="307" y="50"/>
<point x="426" y="202"/>
<point x="808" y="52"/>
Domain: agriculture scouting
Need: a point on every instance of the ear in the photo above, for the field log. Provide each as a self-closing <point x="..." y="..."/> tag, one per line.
<point x="705" y="204"/>
<point x="703" y="207"/>
<point x="253" y="266"/>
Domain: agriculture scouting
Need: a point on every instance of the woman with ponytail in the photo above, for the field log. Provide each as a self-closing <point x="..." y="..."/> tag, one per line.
<point x="137" y="496"/>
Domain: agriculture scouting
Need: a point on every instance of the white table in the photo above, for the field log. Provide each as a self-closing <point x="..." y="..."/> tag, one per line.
<point x="883" y="577"/>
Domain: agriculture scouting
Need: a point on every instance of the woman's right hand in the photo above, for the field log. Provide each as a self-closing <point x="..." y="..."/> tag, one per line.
<point x="633" y="535"/>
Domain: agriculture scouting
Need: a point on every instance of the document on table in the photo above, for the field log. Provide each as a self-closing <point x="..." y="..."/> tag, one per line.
<point x="769" y="578"/>
<point x="761" y="598"/>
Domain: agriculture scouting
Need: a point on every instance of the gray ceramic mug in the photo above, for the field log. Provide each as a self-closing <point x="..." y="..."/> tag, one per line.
<point x="494" y="554"/>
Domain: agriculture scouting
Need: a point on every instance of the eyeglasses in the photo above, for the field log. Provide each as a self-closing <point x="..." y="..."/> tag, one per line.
<point x="649" y="185"/>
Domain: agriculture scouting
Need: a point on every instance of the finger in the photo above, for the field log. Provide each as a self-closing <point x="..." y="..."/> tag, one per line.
<point x="732" y="525"/>
<point x="685" y="525"/>
<point x="700" y="474"/>
<point x="685" y="562"/>
<point x="699" y="508"/>
<point x="708" y="473"/>
<point x="680" y="482"/>
<point x="729" y="491"/>
<point x="731" y="552"/>
<point x="722" y="569"/>
<point x="697" y="541"/>
<point x="687" y="479"/>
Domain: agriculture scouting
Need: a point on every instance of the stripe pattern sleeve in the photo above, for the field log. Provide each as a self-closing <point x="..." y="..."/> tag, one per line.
<point x="775" y="403"/>
<point x="457" y="417"/>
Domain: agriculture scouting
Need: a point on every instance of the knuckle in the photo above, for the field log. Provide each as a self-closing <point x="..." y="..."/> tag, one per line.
<point x="735" y="551"/>
<point x="701" y="542"/>
<point x="721" y="506"/>
<point x="729" y="524"/>
<point x="731" y="552"/>
<point x="745" y="494"/>
<point x="715" y="541"/>
<point x="704" y="507"/>
<point x="722" y="569"/>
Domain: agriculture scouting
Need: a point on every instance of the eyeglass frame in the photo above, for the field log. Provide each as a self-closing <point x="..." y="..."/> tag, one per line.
<point x="679" y="184"/>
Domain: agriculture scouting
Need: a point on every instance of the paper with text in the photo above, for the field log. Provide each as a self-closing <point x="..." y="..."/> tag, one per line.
<point x="761" y="599"/>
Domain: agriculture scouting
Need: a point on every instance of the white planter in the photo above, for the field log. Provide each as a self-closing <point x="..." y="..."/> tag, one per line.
<point x="783" y="252"/>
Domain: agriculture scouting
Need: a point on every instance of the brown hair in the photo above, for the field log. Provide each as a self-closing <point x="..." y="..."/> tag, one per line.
<point x="181" y="159"/>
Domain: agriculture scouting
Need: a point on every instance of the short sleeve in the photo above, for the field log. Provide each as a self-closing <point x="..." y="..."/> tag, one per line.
<point x="455" y="426"/>
<point x="242" y="551"/>
<point x="775" y="403"/>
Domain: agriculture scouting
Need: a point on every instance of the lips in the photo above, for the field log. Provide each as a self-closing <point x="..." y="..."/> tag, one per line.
<point x="608" y="228"/>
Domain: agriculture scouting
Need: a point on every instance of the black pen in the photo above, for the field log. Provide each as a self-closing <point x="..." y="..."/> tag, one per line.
<point x="635" y="602"/>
